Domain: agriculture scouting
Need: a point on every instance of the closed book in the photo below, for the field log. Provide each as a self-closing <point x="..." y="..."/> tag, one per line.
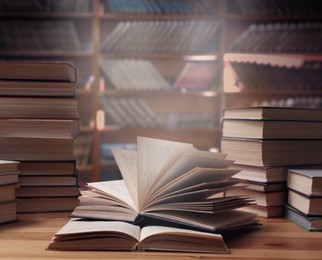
<point x="271" y="129"/>
<point x="306" y="181"/>
<point x="46" y="71"/>
<point x="41" y="149"/>
<point x="310" y="223"/>
<point x="309" y="205"/>
<point x="39" y="108"/>
<point x="272" y="152"/>
<point x="273" y="113"/>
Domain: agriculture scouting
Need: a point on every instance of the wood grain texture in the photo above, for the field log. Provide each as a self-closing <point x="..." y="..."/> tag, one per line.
<point x="275" y="239"/>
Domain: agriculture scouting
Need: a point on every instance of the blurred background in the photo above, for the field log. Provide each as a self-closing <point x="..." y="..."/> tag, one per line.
<point x="167" y="69"/>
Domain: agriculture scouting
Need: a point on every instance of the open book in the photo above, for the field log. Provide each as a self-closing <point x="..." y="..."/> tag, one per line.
<point x="168" y="181"/>
<point x="115" y="235"/>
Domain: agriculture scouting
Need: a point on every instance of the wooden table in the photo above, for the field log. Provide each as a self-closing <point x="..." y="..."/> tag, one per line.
<point x="276" y="239"/>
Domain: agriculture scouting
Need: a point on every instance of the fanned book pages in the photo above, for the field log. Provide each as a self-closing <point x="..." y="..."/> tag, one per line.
<point x="171" y="182"/>
<point x="114" y="235"/>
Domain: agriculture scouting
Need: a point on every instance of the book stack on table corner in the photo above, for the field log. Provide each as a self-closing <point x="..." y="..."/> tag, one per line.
<point x="169" y="199"/>
<point x="38" y="124"/>
<point x="305" y="198"/>
<point x="265" y="142"/>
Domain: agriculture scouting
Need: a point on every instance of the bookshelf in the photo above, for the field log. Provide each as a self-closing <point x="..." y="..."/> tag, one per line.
<point x="159" y="39"/>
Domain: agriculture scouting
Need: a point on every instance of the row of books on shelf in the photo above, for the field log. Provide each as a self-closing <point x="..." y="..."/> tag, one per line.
<point x="39" y="35"/>
<point x="277" y="37"/>
<point x="47" y="6"/>
<point x="304" y="101"/>
<point x="162" y="36"/>
<point x="136" y="112"/>
<point x="39" y="123"/>
<point x="265" y="150"/>
<point x="274" y="7"/>
<point x="254" y="76"/>
<point x="142" y="74"/>
<point x="161" y="7"/>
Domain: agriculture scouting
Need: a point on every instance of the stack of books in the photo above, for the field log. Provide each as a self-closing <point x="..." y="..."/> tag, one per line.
<point x="8" y="184"/>
<point x="305" y="198"/>
<point x="170" y="191"/>
<point x="265" y="142"/>
<point x="39" y="122"/>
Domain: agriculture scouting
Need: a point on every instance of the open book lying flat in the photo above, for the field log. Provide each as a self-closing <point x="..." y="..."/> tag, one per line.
<point x="171" y="182"/>
<point x="115" y="235"/>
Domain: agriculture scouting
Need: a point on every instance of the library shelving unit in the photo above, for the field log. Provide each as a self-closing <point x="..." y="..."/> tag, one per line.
<point x="155" y="68"/>
<point x="278" y="43"/>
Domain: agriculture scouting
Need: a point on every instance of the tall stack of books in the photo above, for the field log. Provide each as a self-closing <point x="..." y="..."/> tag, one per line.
<point x="305" y="198"/>
<point x="170" y="191"/>
<point x="39" y="121"/>
<point x="8" y="184"/>
<point x="265" y="142"/>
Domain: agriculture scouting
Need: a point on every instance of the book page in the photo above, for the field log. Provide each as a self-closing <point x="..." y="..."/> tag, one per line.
<point x="184" y="164"/>
<point x="152" y="154"/>
<point x="194" y="177"/>
<point x="115" y="189"/>
<point x="127" y="162"/>
<point x="154" y="230"/>
<point x="74" y="227"/>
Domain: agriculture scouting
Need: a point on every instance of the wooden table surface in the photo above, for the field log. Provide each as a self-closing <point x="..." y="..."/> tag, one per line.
<point x="276" y="239"/>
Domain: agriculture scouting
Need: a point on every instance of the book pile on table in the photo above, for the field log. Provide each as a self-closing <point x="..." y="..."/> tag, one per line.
<point x="265" y="142"/>
<point x="8" y="185"/>
<point x="38" y="123"/>
<point x="171" y="193"/>
<point x="305" y="198"/>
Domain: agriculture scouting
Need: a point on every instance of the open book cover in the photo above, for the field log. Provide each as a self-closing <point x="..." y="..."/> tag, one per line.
<point x="172" y="182"/>
<point x="122" y="236"/>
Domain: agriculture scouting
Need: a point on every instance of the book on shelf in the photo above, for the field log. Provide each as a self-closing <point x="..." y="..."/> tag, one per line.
<point x="171" y="181"/>
<point x="310" y="223"/>
<point x="122" y="236"/>
<point x="39" y="35"/>
<point x="259" y="152"/>
<point x="133" y="74"/>
<point x="37" y="71"/>
<point x="309" y="205"/>
<point x="279" y="37"/>
<point x="271" y="129"/>
<point x="177" y="36"/>
<point x="197" y="75"/>
<point x="273" y="113"/>
<point x="39" y="108"/>
<point x="274" y="7"/>
<point x="160" y="7"/>
<point x="306" y="181"/>
<point x="255" y="75"/>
